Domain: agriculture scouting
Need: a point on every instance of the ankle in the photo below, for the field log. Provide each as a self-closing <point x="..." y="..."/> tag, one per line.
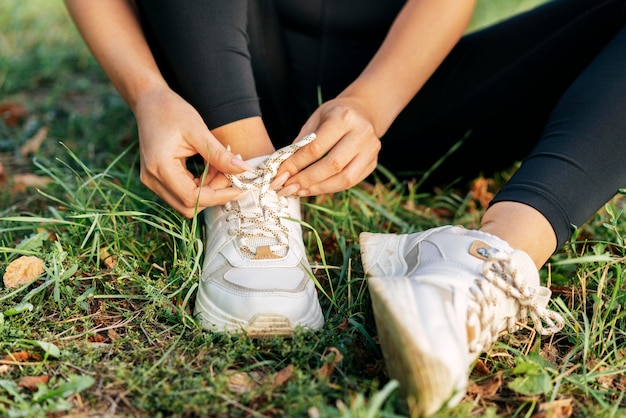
<point x="523" y="228"/>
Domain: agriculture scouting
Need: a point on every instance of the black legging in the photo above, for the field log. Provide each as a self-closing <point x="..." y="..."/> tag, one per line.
<point x="525" y="82"/>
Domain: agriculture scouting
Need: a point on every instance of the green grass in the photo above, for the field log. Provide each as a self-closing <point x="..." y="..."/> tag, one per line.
<point x="121" y="341"/>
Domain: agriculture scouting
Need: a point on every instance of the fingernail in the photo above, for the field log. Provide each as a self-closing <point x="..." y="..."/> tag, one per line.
<point x="279" y="180"/>
<point x="289" y="190"/>
<point x="237" y="161"/>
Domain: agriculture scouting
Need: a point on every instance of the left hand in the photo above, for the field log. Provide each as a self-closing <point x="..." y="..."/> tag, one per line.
<point x="344" y="153"/>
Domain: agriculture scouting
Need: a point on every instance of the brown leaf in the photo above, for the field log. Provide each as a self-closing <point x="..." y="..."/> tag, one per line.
<point x="284" y="375"/>
<point x="561" y="408"/>
<point x="19" y="356"/>
<point x="486" y="387"/>
<point x="96" y="338"/>
<point x="12" y="113"/>
<point x="108" y="260"/>
<point x="480" y="191"/>
<point x="113" y="335"/>
<point x="3" y="174"/>
<point x="23" y="270"/>
<point x="31" y="382"/>
<point x="240" y="382"/>
<point x="481" y="369"/>
<point x="331" y="359"/>
<point x="23" y="181"/>
<point x="33" y="144"/>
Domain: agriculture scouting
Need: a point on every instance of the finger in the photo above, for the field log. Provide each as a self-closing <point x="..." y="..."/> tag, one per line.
<point x="220" y="157"/>
<point x="353" y="174"/>
<point x="180" y="190"/>
<point x="310" y="153"/>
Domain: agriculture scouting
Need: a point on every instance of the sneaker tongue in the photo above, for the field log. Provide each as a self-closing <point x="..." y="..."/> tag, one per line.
<point x="259" y="229"/>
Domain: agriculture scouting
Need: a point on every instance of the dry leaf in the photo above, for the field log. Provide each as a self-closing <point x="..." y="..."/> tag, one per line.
<point x="328" y="367"/>
<point x="31" y="382"/>
<point x="33" y="144"/>
<point x="240" y="382"/>
<point x="12" y="113"/>
<point x="19" y="356"/>
<point x="4" y="369"/>
<point x="284" y="375"/>
<point x="96" y="338"/>
<point x="561" y="408"/>
<point x="108" y="260"/>
<point x="481" y="369"/>
<point x="480" y="191"/>
<point x="113" y="335"/>
<point x="487" y="387"/>
<point x="3" y="174"/>
<point x="23" y="181"/>
<point x="23" y="270"/>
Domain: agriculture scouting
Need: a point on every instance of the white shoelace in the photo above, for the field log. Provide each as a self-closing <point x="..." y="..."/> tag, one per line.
<point x="254" y="230"/>
<point x="500" y="273"/>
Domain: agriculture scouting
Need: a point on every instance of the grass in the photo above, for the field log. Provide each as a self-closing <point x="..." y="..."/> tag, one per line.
<point x="118" y="339"/>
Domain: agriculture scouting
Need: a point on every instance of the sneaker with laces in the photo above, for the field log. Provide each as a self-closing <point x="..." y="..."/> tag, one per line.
<point x="440" y="298"/>
<point x="256" y="277"/>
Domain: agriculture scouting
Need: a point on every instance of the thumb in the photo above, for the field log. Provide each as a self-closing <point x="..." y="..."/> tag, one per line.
<point x="223" y="159"/>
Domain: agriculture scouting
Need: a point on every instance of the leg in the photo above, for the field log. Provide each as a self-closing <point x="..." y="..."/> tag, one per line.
<point x="578" y="164"/>
<point x="255" y="276"/>
<point x="499" y="84"/>
<point x="447" y="293"/>
<point x="202" y="49"/>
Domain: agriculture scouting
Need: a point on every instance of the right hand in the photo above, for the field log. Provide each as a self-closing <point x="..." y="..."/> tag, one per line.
<point x="170" y="131"/>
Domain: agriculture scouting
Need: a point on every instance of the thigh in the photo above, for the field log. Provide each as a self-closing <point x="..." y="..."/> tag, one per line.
<point x="201" y="46"/>
<point x="579" y="162"/>
<point x="497" y="87"/>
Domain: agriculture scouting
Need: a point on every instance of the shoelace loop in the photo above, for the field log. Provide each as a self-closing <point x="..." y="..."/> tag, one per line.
<point x="251" y="227"/>
<point x="500" y="273"/>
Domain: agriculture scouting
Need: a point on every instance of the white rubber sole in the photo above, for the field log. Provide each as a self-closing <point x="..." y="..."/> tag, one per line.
<point x="424" y="378"/>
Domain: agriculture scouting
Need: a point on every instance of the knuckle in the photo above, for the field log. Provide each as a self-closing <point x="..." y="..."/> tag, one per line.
<point x="315" y="149"/>
<point x="335" y="164"/>
<point x="188" y="202"/>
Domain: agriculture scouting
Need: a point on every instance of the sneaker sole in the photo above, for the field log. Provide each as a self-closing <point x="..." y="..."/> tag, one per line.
<point x="262" y="325"/>
<point x="423" y="379"/>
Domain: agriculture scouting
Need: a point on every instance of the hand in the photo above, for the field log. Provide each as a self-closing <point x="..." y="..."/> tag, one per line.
<point x="344" y="152"/>
<point x="170" y="131"/>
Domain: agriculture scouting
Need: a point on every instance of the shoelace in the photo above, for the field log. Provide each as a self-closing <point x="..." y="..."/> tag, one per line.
<point x="269" y="226"/>
<point x="501" y="273"/>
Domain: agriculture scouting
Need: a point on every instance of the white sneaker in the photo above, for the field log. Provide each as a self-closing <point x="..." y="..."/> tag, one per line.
<point x="442" y="297"/>
<point x="256" y="277"/>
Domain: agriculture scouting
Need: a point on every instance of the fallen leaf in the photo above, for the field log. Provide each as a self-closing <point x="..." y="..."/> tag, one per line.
<point x="33" y="144"/>
<point x="486" y="387"/>
<point x="23" y="270"/>
<point x="96" y="338"/>
<point x="283" y="375"/>
<point x="108" y="260"/>
<point x="3" y="174"/>
<point x="481" y="369"/>
<point x="19" y="356"/>
<point x="480" y="191"/>
<point x="22" y="181"/>
<point x="113" y="335"/>
<point x="12" y="113"/>
<point x="240" y="382"/>
<point x="561" y="408"/>
<point x="31" y="382"/>
<point x="4" y="369"/>
<point x="331" y="359"/>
